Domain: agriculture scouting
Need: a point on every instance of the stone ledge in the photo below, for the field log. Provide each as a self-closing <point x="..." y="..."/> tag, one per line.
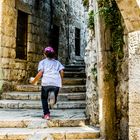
<point x="33" y="118"/>
<point x="37" y="96"/>
<point x="33" y="88"/>
<point x="27" y="104"/>
<point x="64" y="133"/>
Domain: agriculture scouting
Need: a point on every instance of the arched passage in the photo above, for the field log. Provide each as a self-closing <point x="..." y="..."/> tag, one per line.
<point x="130" y="11"/>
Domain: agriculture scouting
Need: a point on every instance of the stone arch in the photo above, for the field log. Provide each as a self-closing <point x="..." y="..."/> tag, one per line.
<point x="130" y="10"/>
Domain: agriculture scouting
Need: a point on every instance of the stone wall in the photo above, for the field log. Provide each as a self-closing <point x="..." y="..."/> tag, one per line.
<point x="92" y="108"/>
<point x="39" y="25"/>
<point x="122" y="96"/>
<point x="134" y="85"/>
<point x="130" y="12"/>
<point x="76" y="18"/>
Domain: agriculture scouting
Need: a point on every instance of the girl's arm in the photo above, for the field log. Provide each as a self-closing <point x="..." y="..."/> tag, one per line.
<point x="61" y="74"/>
<point x="37" y="77"/>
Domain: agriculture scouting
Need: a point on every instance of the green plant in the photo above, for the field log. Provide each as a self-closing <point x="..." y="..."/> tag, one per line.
<point x="109" y="11"/>
<point x="94" y="73"/>
<point x="86" y="3"/>
<point x="91" y="20"/>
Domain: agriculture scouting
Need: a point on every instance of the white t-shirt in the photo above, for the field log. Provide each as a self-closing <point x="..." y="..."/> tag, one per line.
<point x="51" y="75"/>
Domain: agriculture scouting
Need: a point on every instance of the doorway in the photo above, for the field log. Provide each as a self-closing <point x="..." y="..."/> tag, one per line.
<point x="54" y="39"/>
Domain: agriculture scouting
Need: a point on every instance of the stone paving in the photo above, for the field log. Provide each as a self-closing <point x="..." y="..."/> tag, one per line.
<point x="58" y="133"/>
<point x="55" y="114"/>
<point x="33" y="118"/>
<point x="28" y="125"/>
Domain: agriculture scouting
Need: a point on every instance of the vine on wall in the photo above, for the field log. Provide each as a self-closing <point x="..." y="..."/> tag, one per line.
<point x="113" y="20"/>
<point x="109" y="11"/>
<point x="86" y="3"/>
<point x="91" y="20"/>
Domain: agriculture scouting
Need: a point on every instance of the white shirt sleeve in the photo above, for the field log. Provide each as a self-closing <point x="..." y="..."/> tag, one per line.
<point x="60" y="66"/>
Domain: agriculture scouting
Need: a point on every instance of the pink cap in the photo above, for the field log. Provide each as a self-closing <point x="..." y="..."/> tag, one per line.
<point x="49" y="49"/>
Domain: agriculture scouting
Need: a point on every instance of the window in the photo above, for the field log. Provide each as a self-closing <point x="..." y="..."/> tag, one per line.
<point x="77" y="42"/>
<point x="21" y="39"/>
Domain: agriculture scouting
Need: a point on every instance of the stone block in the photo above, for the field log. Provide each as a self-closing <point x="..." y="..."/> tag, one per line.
<point x="9" y="11"/>
<point x="134" y="43"/>
<point x="134" y="90"/>
<point x="134" y="94"/>
<point x="23" y="6"/>
<point x="134" y="133"/>
<point x="10" y="3"/>
<point x="9" y="31"/>
<point x="31" y="47"/>
<point x="134" y="109"/>
<point x="30" y="37"/>
<point x="134" y="114"/>
<point x="5" y="62"/>
<point x="134" y="121"/>
<point x="6" y="74"/>
<point x="9" y="21"/>
<point x="20" y="65"/>
<point x="134" y="67"/>
<point x="8" y="41"/>
<point x="5" y="52"/>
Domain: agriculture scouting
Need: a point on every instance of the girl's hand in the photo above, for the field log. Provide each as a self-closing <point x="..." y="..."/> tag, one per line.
<point x="31" y="81"/>
<point x="34" y="80"/>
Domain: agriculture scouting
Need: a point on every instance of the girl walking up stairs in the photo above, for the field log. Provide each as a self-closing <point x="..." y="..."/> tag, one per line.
<point x="21" y="112"/>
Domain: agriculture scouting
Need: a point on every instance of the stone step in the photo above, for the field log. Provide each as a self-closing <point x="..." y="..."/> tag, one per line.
<point x="64" y="89"/>
<point x="56" y="133"/>
<point x="74" y="67"/>
<point x="74" y="81"/>
<point x="71" y="81"/>
<point x="74" y="74"/>
<point x="27" y="104"/>
<point x="37" y="95"/>
<point x="22" y="118"/>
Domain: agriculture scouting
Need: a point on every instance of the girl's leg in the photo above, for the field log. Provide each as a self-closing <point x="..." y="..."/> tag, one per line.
<point x="56" y="91"/>
<point x="44" y="99"/>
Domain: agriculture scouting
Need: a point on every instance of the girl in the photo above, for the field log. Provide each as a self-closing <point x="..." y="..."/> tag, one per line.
<point x="52" y="73"/>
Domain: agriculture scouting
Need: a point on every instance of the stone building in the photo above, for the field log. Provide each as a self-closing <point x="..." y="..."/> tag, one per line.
<point x="27" y="26"/>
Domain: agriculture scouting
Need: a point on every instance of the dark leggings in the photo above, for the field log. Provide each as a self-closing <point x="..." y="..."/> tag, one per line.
<point x="44" y="97"/>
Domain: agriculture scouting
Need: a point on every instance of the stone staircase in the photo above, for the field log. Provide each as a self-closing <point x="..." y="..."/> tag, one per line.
<point x="21" y="112"/>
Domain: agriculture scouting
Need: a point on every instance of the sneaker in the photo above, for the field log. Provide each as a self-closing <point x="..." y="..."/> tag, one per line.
<point x="47" y="116"/>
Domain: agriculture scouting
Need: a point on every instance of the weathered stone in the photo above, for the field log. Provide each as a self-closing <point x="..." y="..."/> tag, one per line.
<point x="32" y="119"/>
<point x="130" y="12"/>
<point x="39" y="33"/>
<point x="37" y="96"/>
<point x="66" y="89"/>
<point x="134" y="133"/>
<point x="21" y="104"/>
<point x="49" y="133"/>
